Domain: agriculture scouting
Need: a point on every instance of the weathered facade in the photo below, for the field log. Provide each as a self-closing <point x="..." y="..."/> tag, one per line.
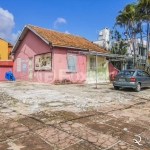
<point x="43" y="55"/>
<point x="101" y="73"/>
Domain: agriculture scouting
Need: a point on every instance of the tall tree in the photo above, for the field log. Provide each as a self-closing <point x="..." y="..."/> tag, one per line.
<point x="143" y="10"/>
<point x="118" y="44"/>
<point x="129" y="20"/>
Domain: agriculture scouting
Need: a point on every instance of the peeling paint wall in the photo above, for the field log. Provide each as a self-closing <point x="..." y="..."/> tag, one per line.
<point x="31" y="46"/>
<point x="102" y="70"/>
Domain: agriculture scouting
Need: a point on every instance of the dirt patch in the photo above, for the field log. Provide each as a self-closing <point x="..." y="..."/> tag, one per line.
<point x="55" y="117"/>
<point x="31" y="123"/>
<point x="31" y="142"/>
<point x="82" y="146"/>
<point x="126" y="126"/>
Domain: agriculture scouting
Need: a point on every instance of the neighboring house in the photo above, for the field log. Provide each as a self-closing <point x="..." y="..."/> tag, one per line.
<point x="6" y="64"/>
<point x="103" y="40"/>
<point x="5" y="48"/>
<point x="44" y="55"/>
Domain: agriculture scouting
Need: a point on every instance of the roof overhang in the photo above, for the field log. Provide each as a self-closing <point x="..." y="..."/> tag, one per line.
<point x="22" y="35"/>
<point x="27" y="28"/>
<point x="69" y="47"/>
<point x="101" y="54"/>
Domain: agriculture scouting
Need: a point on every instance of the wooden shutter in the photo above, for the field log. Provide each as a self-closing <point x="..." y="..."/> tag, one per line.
<point x="71" y="63"/>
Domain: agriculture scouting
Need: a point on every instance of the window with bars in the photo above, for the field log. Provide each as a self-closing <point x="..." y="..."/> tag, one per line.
<point x="92" y="63"/>
<point x="71" y="63"/>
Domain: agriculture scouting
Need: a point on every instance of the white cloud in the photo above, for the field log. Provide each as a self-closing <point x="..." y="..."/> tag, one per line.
<point x="14" y="36"/>
<point x="59" y="21"/>
<point x="67" y="32"/>
<point x="6" y="25"/>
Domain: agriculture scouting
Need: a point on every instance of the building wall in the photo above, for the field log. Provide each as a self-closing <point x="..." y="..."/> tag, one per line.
<point x="33" y="45"/>
<point x="103" y="72"/>
<point x="60" y="65"/>
<point x="149" y="60"/>
<point x="112" y="71"/>
<point x="3" y="50"/>
<point x="29" y="47"/>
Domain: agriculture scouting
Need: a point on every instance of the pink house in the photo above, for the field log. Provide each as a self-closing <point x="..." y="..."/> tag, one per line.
<point x="48" y="56"/>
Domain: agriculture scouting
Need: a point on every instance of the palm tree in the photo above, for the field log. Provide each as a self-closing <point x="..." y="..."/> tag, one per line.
<point x="131" y="19"/>
<point x="143" y="9"/>
<point x="127" y="18"/>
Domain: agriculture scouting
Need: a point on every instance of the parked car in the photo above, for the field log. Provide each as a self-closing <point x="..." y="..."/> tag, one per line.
<point x="131" y="78"/>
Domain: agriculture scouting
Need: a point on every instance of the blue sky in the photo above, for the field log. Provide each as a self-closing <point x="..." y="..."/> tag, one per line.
<point x="80" y="17"/>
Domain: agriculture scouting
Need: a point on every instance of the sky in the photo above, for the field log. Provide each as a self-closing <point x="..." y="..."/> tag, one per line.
<point x="79" y="17"/>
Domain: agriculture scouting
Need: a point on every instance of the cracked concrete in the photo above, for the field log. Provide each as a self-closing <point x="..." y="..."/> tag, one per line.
<point x="36" y="116"/>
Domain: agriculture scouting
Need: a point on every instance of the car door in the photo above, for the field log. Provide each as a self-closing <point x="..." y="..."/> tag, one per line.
<point x="140" y="78"/>
<point x="146" y="77"/>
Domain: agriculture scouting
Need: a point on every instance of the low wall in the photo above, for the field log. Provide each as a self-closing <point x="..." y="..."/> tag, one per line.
<point x="112" y="71"/>
<point x="4" y="67"/>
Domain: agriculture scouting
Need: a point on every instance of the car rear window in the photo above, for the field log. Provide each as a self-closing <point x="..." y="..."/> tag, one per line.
<point x="126" y="73"/>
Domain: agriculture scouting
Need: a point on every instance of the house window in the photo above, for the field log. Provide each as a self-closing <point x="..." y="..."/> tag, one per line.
<point x="71" y="63"/>
<point x="43" y="61"/>
<point x="18" y="64"/>
<point x="92" y="63"/>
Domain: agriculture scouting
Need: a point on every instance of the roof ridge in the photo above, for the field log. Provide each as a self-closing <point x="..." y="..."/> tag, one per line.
<point x="63" y="39"/>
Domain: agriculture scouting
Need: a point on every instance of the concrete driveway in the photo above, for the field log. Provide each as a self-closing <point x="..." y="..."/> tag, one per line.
<point x="35" y="116"/>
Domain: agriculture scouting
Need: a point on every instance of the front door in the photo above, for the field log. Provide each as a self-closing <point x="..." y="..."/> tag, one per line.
<point x="30" y="69"/>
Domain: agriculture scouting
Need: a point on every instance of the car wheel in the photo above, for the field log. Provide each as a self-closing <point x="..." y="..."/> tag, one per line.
<point x="116" y="87"/>
<point x="138" y="87"/>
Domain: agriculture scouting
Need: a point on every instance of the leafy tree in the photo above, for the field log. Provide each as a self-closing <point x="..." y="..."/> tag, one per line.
<point x="119" y="45"/>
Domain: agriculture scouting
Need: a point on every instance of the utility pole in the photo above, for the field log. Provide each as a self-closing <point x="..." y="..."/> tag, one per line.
<point x="96" y="71"/>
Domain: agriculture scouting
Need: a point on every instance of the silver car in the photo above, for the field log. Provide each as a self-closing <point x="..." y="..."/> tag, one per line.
<point x="131" y="78"/>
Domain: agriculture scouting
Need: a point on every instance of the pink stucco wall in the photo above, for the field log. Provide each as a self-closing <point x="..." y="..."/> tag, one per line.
<point x="60" y="66"/>
<point x="112" y="71"/>
<point x="3" y="70"/>
<point x="33" y="45"/>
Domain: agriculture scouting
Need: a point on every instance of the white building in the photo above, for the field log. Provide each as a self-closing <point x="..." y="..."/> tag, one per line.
<point x="104" y="41"/>
<point x="103" y="38"/>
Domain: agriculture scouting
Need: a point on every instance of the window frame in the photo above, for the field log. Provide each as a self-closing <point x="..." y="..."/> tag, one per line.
<point x="94" y="64"/>
<point x="18" y="63"/>
<point x="75" y="58"/>
<point x="43" y="69"/>
<point x="146" y="74"/>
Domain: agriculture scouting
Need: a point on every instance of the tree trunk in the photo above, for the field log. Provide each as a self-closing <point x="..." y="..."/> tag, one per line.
<point x="147" y="47"/>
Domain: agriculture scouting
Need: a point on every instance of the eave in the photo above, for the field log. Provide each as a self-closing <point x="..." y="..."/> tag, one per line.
<point x="22" y="35"/>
